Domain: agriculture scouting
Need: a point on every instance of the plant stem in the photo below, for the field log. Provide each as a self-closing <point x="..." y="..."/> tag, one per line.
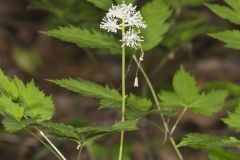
<point x="49" y="142"/>
<point x="159" y="108"/>
<point x="178" y="120"/>
<point x="176" y="148"/>
<point x="52" y="145"/>
<point x="123" y="93"/>
<point x="80" y="152"/>
<point x="45" y="144"/>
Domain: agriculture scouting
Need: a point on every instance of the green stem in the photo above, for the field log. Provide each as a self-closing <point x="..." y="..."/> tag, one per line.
<point x="176" y="148"/>
<point x="80" y="152"/>
<point x="45" y="144"/>
<point x="159" y="108"/>
<point x="123" y="94"/>
<point x="51" y="144"/>
<point x="178" y="120"/>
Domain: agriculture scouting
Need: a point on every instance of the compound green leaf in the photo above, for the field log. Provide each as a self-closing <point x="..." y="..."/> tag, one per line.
<point x="231" y="88"/>
<point x="7" y="87"/>
<point x="84" y="37"/>
<point x="204" y="141"/>
<point x="34" y="101"/>
<point x="226" y="12"/>
<point x="233" y="120"/>
<point x="185" y="86"/>
<point x="186" y="94"/>
<point x="90" y="89"/>
<point x="138" y="103"/>
<point x="8" y="107"/>
<point x="103" y="4"/>
<point x="61" y="130"/>
<point x="170" y="100"/>
<point x="230" y="38"/>
<point x="222" y="154"/>
<point x="207" y="104"/>
<point x="12" y="125"/>
<point x="155" y="14"/>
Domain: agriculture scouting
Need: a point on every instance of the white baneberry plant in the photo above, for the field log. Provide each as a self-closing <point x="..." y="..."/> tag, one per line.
<point x="124" y="18"/>
<point x="25" y="107"/>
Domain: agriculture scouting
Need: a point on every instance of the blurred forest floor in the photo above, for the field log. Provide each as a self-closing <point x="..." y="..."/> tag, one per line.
<point x="28" y="54"/>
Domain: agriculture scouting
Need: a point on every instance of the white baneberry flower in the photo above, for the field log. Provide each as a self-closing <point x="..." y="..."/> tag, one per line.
<point x="122" y="12"/>
<point x="135" y="20"/>
<point x="110" y="24"/>
<point x="132" y="39"/>
<point x="125" y="14"/>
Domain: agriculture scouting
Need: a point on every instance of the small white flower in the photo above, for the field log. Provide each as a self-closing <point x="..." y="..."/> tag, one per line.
<point x="132" y="39"/>
<point x="122" y="12"/>
<point x="109" y="24"/>
<point x="135" y="20"/>
<point x="125" y="14"/>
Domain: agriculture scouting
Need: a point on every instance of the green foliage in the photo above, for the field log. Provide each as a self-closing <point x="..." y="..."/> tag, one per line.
<point x="73" y="12"/>
<point x="90" y="134"/>
<point x="189" y="26"/>
<point x="83" y="135"/>
<point x="12" y="125"/>
<point x="84" y="38"/>
<point x="109" y="103"/>
<point x="233" y="120"/>
<point x="137" y="114"/>
<point x="61" y="130"/>
<point x="126" y="126"/>
<point x="209" y="103"/>
<point x="225" y="12"/>
<point x="8" y="107"/>
<point x="58" y="8"/>
<point x="109" y="97"/>
<point x="203" y="141"/>
<point x="138" y="103"/>
<point x="7" y="87"/>
<point x="179" y="3"/>
<point x="230" y="38"/>
<point x="186" y="94"/>
<point x="34" y="101"/>
<point x="126" y="1"/>
<point x="103" y="4"/>
<point x="156" y="25"/>
<point x="231" y="88"/>
<point x="18" y="100"/>
<point x="221" y="154"/>
<point x="185" y="86"/>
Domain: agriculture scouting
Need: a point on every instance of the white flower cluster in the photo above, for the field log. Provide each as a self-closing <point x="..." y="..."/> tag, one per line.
<point x="132" y="39"/>
<point x="125" y="14"/>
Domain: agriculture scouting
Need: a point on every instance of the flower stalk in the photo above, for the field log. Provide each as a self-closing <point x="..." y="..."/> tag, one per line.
<point x="128" y="20"/>
<point x="123" y="93"/>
